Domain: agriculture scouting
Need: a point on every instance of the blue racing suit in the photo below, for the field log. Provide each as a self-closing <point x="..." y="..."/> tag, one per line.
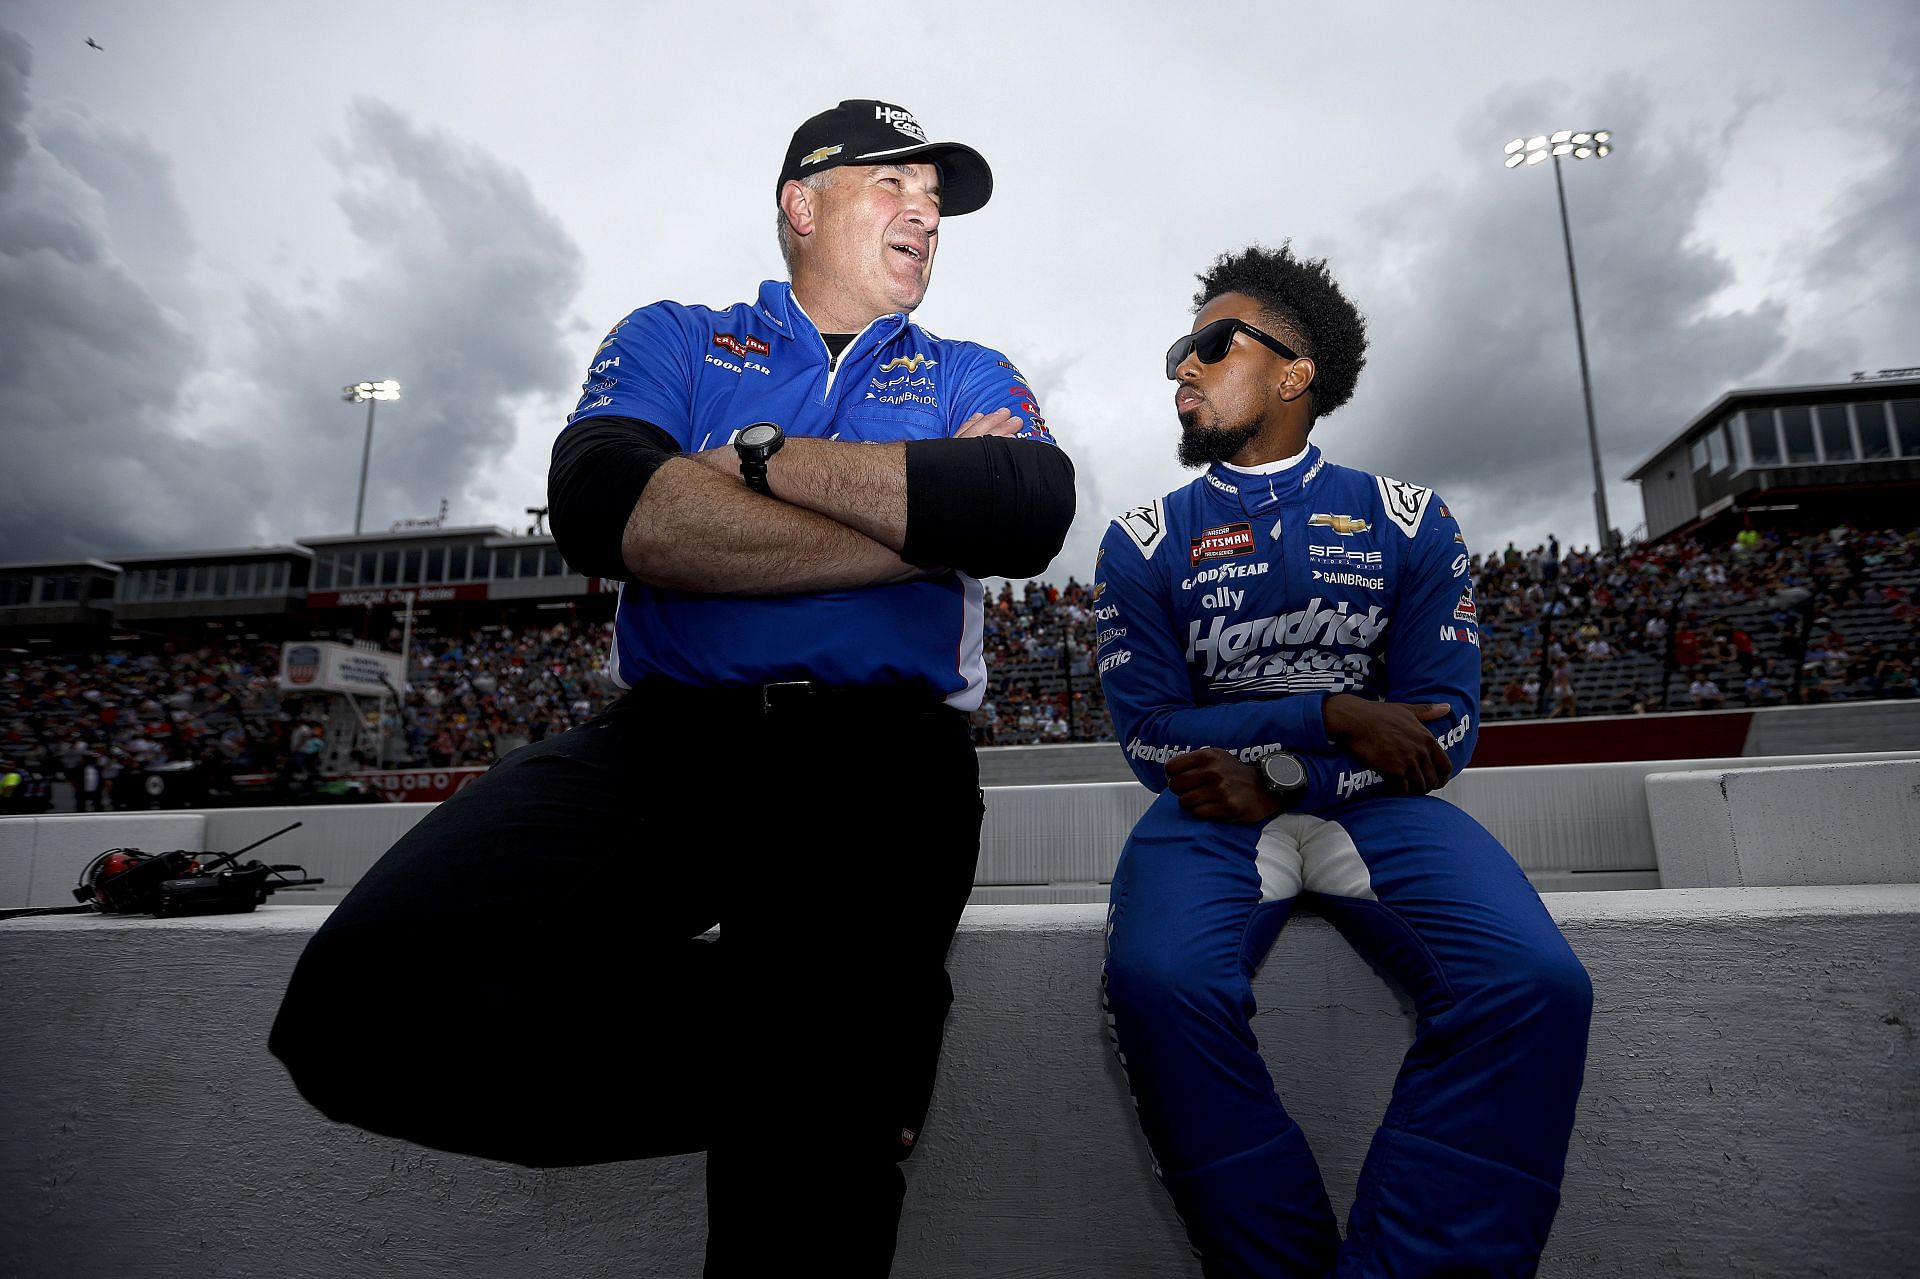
<point x="703" y="375"/>
<point x="1228" y="612"/>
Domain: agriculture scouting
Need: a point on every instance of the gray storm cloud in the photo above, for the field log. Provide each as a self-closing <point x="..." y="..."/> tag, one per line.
<point x="92" y="364"/>
<point x="1474" y="382"/>
<point x="1865" y="271"/>
<point x="118" y="435"/>
<point x="462" y="292"/>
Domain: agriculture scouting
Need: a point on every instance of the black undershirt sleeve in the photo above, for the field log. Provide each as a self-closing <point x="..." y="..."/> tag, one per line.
<point x="989" y="506"/>
<point x="598" y="471"/>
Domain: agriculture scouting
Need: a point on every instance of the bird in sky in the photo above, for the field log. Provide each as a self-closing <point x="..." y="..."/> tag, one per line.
<point x="95" y="44"/>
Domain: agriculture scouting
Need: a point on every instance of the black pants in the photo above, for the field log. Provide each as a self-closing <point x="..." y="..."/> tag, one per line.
<point x="522" y="977"/>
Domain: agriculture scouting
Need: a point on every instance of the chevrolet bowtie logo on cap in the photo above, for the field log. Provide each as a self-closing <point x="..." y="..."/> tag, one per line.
<point x="865" y="131"/>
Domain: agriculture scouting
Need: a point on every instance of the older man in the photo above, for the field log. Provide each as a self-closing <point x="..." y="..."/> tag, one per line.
<point x="800" y="494"/>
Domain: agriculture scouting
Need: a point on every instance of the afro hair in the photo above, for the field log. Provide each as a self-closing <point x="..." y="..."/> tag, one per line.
<point x="1303" y="296"/>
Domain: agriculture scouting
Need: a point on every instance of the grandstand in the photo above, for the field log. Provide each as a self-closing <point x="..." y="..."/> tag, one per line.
<point x="132" y="664"/>
<point x="1683" y="625"/>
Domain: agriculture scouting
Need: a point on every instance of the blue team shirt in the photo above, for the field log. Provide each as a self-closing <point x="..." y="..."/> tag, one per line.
<point x="702" y="376"/>
<point x="1230" y="610"/>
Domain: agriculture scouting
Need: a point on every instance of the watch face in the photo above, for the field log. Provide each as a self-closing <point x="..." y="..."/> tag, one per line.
<point x="1283" y="772"/>
<point x="759" y="435"/>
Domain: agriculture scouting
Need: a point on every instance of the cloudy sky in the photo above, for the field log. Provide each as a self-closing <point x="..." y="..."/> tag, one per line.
<point x="231" y="209"/>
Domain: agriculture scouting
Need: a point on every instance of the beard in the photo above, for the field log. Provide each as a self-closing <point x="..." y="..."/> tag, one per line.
<point x="1204" y="445"/>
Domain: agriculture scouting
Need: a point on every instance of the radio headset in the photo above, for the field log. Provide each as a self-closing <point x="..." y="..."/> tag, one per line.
<point x="127" y="881"/>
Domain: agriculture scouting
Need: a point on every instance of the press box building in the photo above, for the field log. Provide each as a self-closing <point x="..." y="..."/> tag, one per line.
<point x="1800" y="456"/>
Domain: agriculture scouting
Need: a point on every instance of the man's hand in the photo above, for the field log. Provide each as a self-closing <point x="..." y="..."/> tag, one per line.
<point x="1392" y="739"/>
<point x="998" y="422"/>
<point x="1216" y="787"/>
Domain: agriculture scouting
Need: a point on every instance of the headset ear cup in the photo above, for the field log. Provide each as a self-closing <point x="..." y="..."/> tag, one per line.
<point x="134" y="888"/>
<point x="97" y="872"/>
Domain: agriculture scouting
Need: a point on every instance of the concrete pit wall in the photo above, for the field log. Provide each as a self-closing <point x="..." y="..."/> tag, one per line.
<point x="1752" y="1108"/>
<point x="1572" y="827"/>
<point x="1850" y="823"/>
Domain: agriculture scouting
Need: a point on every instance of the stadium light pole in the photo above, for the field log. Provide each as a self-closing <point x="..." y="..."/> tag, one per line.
<point x="1594" y="143"/>
<point x="371" y="393"/>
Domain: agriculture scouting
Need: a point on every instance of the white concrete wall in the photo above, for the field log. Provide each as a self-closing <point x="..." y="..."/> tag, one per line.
<point x="1565" y="823"/>
<point x="1835" y="726"/>
<point x="339" y="843"/>
<point x="1855" y="823"/>
<point x="1775" y="730"/>
<point x="1570" y="826"/>
<point x="18" y="835"/>
<point x="41" y="857"/>
<point x="1751" y="1108"/>
<point x="1057" y="834"/>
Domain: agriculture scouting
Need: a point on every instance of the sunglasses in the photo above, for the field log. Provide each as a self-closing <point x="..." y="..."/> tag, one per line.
<point x="1213" y="342"/>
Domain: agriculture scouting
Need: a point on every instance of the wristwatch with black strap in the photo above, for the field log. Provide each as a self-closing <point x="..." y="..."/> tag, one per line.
<point x="1284" y="777"/>
<point x="755" y="445"/>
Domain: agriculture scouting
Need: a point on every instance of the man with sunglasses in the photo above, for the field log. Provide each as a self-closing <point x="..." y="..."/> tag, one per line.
<point x="1290" y="651"/>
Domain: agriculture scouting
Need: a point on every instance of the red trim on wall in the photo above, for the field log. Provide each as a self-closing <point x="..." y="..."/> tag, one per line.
<point x="1609" y="739"/>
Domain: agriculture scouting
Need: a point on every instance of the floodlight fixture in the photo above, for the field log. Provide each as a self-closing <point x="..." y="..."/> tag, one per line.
<point x="370" y="394"/>
<point x="1580" y="145"/>
<point x="360" y="392"/>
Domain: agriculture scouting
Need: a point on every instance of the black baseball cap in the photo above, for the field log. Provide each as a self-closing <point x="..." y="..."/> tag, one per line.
<point x="863" y="131"/>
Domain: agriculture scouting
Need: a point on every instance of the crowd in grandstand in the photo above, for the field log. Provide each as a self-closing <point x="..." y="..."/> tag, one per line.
<point x="473" y="699"/>
<point x="1679" y="625"/>
<point x="1041" y="685"/>
<point x="91" y="719"/>
<point x="1676" y="625"/>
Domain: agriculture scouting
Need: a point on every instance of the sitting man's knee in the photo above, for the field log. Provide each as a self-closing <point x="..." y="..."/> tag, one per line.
<point x="1149" y="981"/>
<point x="1569" y="988"/>
<point x="1554" y="993"/>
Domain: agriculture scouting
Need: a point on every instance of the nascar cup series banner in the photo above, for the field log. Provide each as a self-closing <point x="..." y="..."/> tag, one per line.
<point x="315" y="666"/>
